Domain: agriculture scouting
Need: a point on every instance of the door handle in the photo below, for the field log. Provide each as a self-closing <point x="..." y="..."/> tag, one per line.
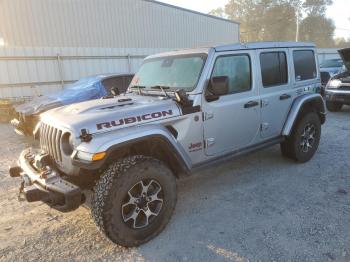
<point x="284" y="97"/>
<point x="251" y="104"/>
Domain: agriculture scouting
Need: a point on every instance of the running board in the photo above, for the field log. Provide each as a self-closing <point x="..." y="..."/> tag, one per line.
<point x="236" y="153"/>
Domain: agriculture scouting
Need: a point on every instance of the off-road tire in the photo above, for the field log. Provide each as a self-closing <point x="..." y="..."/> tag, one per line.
<point x="114" y="185"/>
<point x="291" y="147"/>
<point x="334" y="106"/>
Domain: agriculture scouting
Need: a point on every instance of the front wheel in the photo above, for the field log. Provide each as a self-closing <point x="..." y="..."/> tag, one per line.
<point x="134" y="200"/>
<point x="303" y="142"/>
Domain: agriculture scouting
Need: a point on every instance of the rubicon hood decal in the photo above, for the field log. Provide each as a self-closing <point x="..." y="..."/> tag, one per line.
<point x="112" y="114"/>
<point x="134" y="119"/>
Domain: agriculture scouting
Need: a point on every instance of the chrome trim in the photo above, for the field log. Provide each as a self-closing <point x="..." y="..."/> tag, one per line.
<point x="337" y="91"/>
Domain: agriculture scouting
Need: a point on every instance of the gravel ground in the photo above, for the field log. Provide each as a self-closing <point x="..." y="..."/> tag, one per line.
<point x="260" y="207"/>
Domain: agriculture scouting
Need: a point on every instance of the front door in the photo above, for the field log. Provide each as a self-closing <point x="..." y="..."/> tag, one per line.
<point x="232" y="121"/>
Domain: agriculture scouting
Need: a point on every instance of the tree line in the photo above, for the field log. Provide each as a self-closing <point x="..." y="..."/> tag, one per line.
<point x="283" y="20"/>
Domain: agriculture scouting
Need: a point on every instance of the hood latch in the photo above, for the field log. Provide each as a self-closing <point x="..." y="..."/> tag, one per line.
<point x="85" y="136"/>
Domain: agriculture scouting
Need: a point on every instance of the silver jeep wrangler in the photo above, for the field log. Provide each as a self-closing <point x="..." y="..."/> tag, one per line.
<point x="184" y="110"/>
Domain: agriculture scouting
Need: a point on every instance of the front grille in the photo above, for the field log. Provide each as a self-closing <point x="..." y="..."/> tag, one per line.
<point x="50" y="141"/>
<point x="345" y="88"/>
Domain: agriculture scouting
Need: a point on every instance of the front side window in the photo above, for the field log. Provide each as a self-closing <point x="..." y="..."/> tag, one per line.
<point x="304" y="65"/>
<point x="274" y="70"/>
<point x="237" y="69"/>
<point x="173" y="72"/>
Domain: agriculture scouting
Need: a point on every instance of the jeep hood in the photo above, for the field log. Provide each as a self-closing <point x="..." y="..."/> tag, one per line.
<point x="345" y="55"/>
<point x="110" y="114"/>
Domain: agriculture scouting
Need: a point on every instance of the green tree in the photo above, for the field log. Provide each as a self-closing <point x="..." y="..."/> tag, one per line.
<point x="317" y="29"/>
<point x="219" y="12"/>
<point x="279" y="23"/>
<point x="281" y="20"/>
<point x="341" y="42"/>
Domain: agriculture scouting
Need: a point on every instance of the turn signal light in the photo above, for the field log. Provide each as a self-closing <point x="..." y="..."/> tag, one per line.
<point x="98" y="156"/>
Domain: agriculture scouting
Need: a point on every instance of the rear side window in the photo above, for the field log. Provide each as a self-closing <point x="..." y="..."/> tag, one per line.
<point x="274" y="70"/>
<point x="304" y="65"/>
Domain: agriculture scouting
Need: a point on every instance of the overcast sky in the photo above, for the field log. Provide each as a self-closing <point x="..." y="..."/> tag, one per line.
<point x="339" y="11"/>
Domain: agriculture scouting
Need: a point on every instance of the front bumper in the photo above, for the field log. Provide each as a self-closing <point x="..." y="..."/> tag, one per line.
<point x="340" y="96"/>
<point x="18" y="126"/>
<point x="24" y="125"/>
<point x="45" y="184"/>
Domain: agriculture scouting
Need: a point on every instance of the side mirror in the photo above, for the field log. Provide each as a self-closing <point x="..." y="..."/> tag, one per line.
<point x="218" y="86"/>
<point x="115" y="91"/>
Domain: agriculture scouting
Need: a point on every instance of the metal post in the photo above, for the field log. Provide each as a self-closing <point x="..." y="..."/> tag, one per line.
<point x="297" y="29"/>
<point x="129" y="63"/>
<point x="60" y="70"/>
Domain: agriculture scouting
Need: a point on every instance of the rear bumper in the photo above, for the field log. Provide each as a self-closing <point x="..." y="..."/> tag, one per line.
<point x="45" y="184"/>
<point x="340" y="96"/>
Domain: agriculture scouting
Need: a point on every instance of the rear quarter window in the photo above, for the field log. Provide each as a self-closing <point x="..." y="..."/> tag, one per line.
<point x="304" y="65"/>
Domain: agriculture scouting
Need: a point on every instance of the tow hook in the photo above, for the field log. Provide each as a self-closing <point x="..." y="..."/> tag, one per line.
<point x="21" y="196"/>
<point x="29" y="156"/>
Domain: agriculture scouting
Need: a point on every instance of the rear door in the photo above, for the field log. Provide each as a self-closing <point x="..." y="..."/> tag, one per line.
<point x="276" y="90"/>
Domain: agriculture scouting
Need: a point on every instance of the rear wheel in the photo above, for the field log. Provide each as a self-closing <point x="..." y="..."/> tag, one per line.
<point x="134" y="200"/>
<point x="334" y="106"/>
<point x="303" y="142"/>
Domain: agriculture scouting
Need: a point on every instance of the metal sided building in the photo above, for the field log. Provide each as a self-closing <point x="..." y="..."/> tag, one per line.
<point x="45" y="44"/>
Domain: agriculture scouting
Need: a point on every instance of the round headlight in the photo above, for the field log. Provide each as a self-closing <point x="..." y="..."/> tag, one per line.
<point x="335" y="83"/>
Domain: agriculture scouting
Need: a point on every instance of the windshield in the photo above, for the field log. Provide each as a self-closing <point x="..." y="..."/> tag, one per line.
<point x="332" y="63"/>
<point x="173" y="72"/>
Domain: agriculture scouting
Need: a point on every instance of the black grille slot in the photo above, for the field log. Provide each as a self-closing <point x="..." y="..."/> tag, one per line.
<point x="50" y="141"/>
<point x="345" y="88"/>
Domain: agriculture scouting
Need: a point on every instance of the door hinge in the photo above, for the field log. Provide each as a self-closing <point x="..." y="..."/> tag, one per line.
<point x="264" y="102"/>
<point x="264" y="126"/>
<point x="207" y="115"/>
<point x="209" y="142"/>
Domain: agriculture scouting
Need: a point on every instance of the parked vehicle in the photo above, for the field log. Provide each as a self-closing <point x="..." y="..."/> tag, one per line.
<point x="329" y="68"/>
<point x="87" y="88"/>
<point x="333" y="66"/>
<point x="185" y="110"/>
<point x="337" y="91"/>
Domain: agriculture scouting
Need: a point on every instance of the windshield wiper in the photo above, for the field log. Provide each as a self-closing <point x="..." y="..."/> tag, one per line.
<point x="162" y="88"/>
<point x="139" y="88"/>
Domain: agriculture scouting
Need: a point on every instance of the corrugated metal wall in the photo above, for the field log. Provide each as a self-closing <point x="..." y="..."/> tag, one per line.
<point x="51" y="42"/>
<point x="109" y="23"/>
<point x="25" y="72"/>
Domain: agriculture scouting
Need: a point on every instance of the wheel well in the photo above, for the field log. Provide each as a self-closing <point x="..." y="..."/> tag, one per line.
<point x="155" y="147"/>
<point x="314" y="105"/>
